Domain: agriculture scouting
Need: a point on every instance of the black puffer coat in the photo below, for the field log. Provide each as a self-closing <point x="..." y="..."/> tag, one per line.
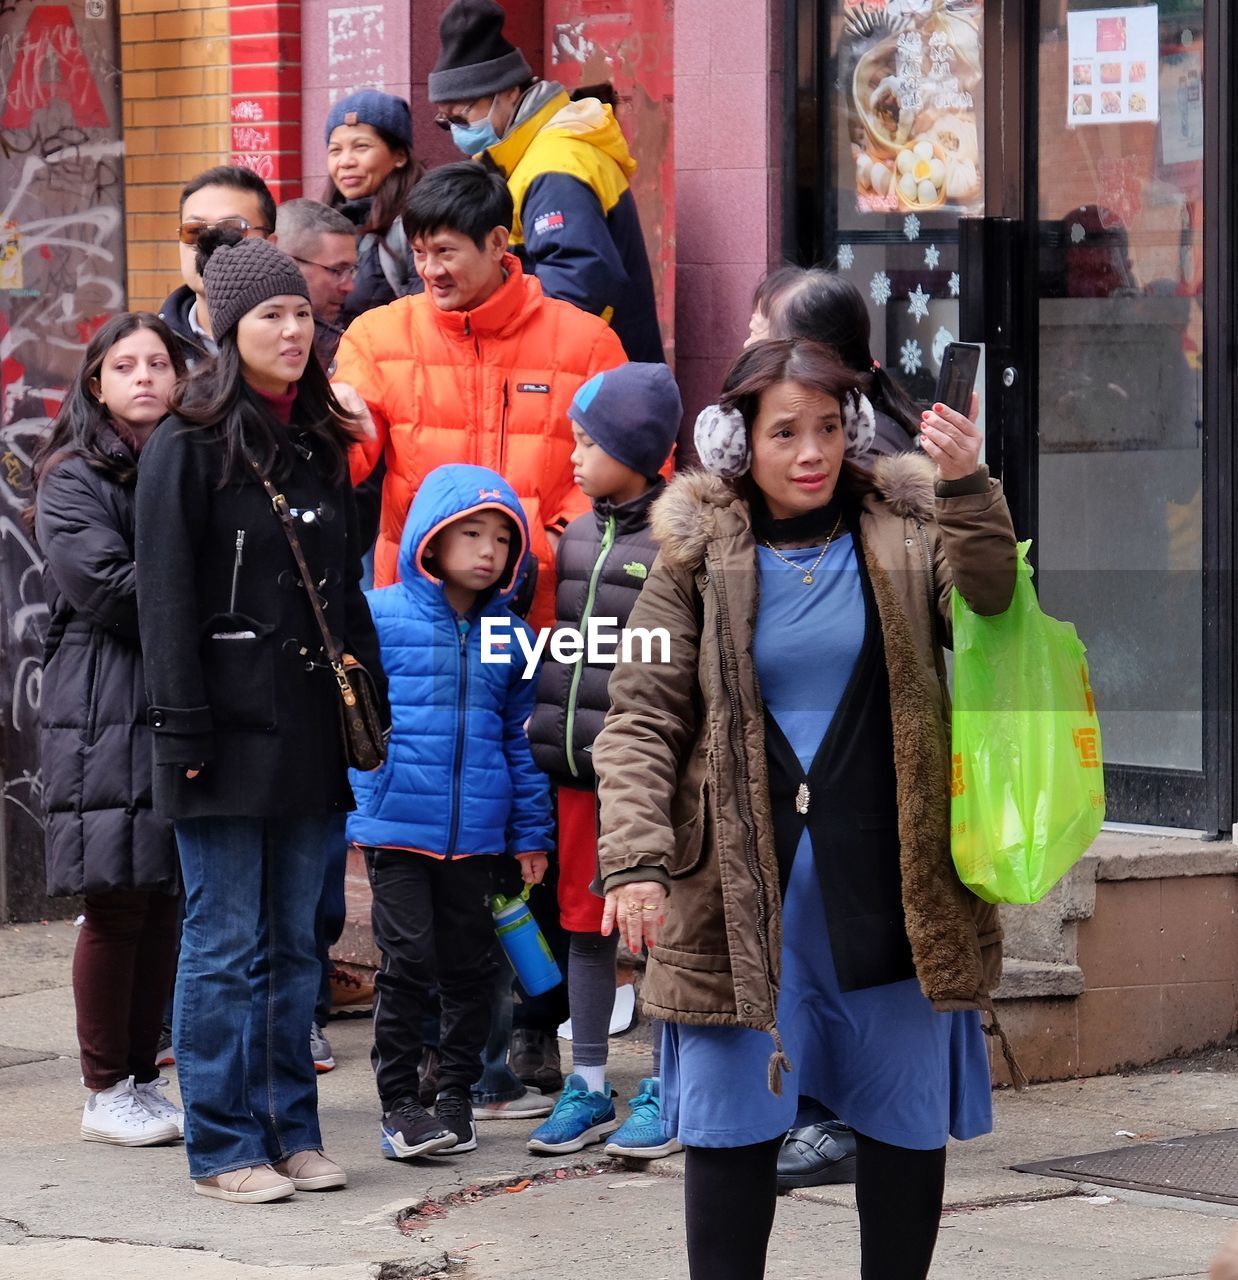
<point x="102" y="835"/>
<point x="224" y="629"/>
<point x="601" y="564"/>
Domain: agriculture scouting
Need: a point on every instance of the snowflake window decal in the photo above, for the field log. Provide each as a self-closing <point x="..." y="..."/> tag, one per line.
<point x="917" y="304"/>
<point x="879" y="288"/>
<point x="911" y="227"/>
<point x="910" y="357"/>
<point x="846" y="257"/>
<point x="954" y="284"/>
<point x="941" y="340"/>
<point x="932" y="257"/>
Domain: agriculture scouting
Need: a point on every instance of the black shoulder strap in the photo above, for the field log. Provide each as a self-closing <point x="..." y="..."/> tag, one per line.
<point x="280" y="505"/>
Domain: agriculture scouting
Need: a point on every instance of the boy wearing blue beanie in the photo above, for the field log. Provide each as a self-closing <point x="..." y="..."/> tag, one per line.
<point x="624" y="423"/>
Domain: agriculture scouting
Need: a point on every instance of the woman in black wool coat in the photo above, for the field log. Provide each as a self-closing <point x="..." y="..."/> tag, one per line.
<point x="249" y="759"/>
<point x="102" y="839"/>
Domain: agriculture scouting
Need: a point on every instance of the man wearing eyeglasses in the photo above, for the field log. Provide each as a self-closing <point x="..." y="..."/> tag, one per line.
<point x="324" y="243"/>
<point x="226" y="195"/>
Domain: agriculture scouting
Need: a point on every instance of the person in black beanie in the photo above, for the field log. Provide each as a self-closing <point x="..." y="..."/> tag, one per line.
<point x="248" y="759"/>
<point x="567" y="164"/>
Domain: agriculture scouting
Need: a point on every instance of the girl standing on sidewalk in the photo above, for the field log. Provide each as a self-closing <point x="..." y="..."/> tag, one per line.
<point x="103" y="840"/>
<point x="249" y="761"/>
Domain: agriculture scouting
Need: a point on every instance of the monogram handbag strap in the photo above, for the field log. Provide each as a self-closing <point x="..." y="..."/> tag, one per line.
<point x="280" y="505"/>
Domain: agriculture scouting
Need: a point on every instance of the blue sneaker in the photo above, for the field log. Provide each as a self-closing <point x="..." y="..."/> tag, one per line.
<point x="641" y="1134"/>
<point x="579" y="1118"/>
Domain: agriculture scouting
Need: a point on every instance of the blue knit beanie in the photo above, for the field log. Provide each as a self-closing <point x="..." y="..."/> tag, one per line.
<point x="631" y="413"/>
<point x="378" y="110"/>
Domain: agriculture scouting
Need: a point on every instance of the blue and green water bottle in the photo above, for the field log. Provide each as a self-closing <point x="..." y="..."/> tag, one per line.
<point x="524" y="944"/>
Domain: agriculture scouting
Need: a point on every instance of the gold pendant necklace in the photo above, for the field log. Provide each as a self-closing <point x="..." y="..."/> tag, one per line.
<point x="808" y="573"/>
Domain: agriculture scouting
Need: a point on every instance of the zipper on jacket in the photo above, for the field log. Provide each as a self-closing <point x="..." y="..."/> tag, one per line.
<point x="236" y="568"/>
<point x="503" y="431"/>
<point x="462" y="698"/>
<point x="726" y="646"/>
<point x="573" y="691"/>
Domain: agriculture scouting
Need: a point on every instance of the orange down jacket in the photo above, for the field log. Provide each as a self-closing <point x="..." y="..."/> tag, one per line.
<point x="489" y="386"/>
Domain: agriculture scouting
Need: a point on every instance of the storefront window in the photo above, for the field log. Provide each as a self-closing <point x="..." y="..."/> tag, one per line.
<point x="907" y="129"/>
<point x="1120" y="197"/>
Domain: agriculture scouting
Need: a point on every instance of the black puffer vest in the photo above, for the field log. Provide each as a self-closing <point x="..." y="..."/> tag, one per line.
<point x="601" y="564"/>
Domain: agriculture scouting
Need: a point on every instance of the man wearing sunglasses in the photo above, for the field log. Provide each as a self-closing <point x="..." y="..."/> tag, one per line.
<point x="566" y="164"/>
<point x="226" y="195"/>
<point x="324" y="244"/>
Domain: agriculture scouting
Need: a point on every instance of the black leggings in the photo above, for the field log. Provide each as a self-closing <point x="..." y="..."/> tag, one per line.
<point x="730" y="1193"/>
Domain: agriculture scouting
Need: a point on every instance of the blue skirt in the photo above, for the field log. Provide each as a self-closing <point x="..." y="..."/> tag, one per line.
<point x="881" y="1058"/>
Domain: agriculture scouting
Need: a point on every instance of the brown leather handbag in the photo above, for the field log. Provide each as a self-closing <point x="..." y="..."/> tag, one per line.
<point x="365" y="741"/>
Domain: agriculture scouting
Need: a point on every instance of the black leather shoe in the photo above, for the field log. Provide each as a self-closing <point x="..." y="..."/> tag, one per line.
<point x="816" y="1154"/>
<point x="534" y="1057"/>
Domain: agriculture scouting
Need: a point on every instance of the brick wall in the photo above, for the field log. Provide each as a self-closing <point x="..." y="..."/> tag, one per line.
<point x="266" y="93"/>
<point x="174" y="60"/>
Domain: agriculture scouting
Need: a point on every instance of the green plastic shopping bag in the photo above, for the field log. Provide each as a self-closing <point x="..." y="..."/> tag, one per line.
<point x="1027" y="793"/>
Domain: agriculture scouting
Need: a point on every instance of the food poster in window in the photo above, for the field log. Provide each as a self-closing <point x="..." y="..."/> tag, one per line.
<point x="1114" y="76"/>
<point x="911" y="72"/>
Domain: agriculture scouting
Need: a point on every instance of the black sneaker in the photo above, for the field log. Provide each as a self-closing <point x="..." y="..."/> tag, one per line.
<point x="455" y="1111"/>
<point x="409" y="1130"/>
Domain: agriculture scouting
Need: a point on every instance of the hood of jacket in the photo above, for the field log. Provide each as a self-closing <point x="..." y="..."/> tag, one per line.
<point x="448" y="494"/>
<point x="699" y="506"/>
<point x="548" y="107"/>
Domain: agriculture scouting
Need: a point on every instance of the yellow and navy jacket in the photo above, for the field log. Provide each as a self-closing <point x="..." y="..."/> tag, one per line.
<point x="576" y="226"/>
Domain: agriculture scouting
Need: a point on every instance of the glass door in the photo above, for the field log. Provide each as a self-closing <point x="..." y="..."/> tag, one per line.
<point x="1121" y="217"/>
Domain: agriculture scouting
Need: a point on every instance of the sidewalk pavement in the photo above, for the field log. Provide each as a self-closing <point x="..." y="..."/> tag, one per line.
<point x="70" y="1209"/>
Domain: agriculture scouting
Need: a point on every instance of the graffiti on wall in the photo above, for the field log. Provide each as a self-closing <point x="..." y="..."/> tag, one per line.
<point x="355" y="37"/>
<point x="61" y="273"/>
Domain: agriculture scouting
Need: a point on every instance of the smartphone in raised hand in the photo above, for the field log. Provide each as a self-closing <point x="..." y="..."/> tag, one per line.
<point x="960" y="362"/>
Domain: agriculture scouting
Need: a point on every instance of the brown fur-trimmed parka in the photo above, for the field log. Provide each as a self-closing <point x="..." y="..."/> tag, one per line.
<point x="681" y="759"/>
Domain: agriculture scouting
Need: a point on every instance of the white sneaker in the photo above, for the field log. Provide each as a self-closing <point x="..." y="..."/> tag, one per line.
<point x="116" y="1115"/>
<point x="529" y="1106"/>
<point x="161" y="1108"/>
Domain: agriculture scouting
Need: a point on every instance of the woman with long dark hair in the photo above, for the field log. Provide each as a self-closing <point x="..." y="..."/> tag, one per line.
<point x="249" y="761"/>
<point x="775" y="804"/>
<point x="102" y="838"/>
<point x="813" y="303"/>
<point x="371" y="174"/>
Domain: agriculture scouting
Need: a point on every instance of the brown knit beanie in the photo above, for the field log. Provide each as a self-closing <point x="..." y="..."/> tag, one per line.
<point x="241" y="276"/>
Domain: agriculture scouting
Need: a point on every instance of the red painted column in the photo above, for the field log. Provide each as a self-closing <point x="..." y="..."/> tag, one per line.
<point x="266" y="92"/>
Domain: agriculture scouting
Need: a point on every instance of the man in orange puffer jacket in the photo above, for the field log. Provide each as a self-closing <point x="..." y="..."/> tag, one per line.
<point x="479" y="368"/>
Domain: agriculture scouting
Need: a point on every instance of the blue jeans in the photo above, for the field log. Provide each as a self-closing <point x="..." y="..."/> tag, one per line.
<point x="246" y="987"/>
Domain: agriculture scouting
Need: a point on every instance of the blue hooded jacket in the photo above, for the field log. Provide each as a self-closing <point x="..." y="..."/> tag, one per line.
<point x="459" y="777"/>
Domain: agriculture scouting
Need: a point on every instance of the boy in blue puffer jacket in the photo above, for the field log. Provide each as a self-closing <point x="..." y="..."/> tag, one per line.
<point x="459" y="786"/>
